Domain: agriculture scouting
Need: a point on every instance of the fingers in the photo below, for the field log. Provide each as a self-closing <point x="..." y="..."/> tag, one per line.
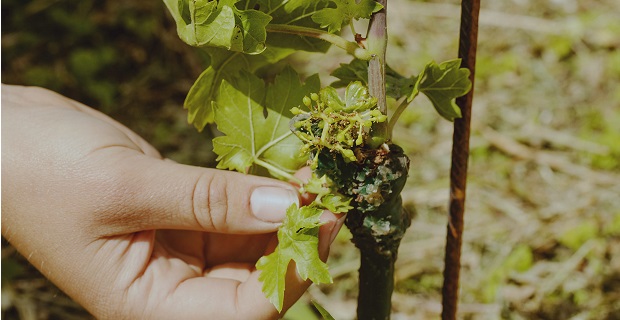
<point x="156" y="194"/>
<point x="304" y="174"/>
<point x="233" y="291"/>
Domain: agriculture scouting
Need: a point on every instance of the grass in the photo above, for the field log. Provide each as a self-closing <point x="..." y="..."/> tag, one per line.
<point x="542" y="233"/>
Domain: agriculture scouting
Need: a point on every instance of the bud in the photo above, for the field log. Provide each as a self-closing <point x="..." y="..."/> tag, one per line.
<point x="340" y="137"/>
<point x="359" y="140"/>
<point x="307" y="101"/>
<point x="348" y="154"/>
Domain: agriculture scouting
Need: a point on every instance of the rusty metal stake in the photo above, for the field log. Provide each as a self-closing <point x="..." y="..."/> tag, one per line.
<point x="460" y="153"/>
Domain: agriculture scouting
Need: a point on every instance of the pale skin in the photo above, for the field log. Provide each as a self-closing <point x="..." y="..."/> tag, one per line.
<point x="128" y="234"/>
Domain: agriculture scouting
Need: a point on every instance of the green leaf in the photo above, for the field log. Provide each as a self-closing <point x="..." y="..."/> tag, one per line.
<point x="336" y="203"/>
<point x="219" y="24"/>
<point x="357" y="70"/>
<point x="255" y="122"/>
<point x="297" y="13"/>
<point x="318" y="186"/>
<point x="326" y="195"/>
<point x="301" y="310"/>
<point x="199" y="100"/>
<point x="345" y="11"/>
<point x="201" y="97"/>
<point x="330" y="96"/>
<point x="441" y="83"/>
<point x="297" y="241"/>
<point x="356" y="98"/>
<point x="326" y="315"/>
<point x="253" y="25"/>
<point x="225" y="64"/>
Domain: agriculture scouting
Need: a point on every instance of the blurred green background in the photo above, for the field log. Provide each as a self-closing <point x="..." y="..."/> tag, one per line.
<point x="542" y="235"/>
<point x="121" y="57"/>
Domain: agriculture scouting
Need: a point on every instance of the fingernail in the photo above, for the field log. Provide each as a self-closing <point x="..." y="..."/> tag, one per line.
<point x="333" y="232"/>
<point x="270" y="203"/>
<point x="336" y="228"/>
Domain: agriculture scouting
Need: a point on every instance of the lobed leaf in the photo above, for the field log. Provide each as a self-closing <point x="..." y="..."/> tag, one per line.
<point x="200" y="99"/>
<point x="224" y="64"/>
<point x="346" y="10"/>
<point x="356" y="98"/>
<point x="298" y="13"/>
<point x="357" y="70"/>
<point x="219" y="24"/>
<point x="441" y="83"/>
<point x="255" y="122"/>
<point x="326" y="195"/>
<point x="297" y="241"/>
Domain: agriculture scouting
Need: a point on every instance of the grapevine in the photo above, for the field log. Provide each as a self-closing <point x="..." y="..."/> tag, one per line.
<point x="281" y="125"/>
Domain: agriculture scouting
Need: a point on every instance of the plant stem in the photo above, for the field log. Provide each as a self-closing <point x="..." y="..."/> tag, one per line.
<point x="277" y="171"/>
<point x="376" y="282"/>
<point x="352" y="26"/>
<point x="349" y="46"/>
<point x="377" y="235"/>
<point x="401" y="107"/>
<point x="377" y="45"/>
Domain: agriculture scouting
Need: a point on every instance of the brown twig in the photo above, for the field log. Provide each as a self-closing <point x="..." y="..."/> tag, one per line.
<point x="460" y="154"/>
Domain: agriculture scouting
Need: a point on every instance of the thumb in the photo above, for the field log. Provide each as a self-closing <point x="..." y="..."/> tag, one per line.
<point x="160" y="194"/>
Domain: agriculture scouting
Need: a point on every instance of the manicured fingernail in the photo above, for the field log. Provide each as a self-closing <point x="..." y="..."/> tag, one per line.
<point x="270" y="203"/>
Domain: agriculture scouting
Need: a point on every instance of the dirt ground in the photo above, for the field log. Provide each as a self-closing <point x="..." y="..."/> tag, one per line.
<point x="542" y="223"/>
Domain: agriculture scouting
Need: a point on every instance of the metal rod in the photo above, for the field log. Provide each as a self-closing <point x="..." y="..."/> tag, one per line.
<point x="468" y="38"/>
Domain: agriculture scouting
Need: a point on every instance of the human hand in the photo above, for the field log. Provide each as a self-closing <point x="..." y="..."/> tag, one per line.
<point x="127" y="234"/>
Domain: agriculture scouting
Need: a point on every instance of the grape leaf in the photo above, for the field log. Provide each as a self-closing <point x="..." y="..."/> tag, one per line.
<point x="327" y="196"/>
<point x="344" y="12"/>
<point x="200" y="99"/>
<point x="219" y="24"/>
<point x="298" y="13"/>
<point x="255" y="122"/>
<point x="224" y="64"/>
<point x="324" y="313"/>
<point x="356" y="98"/>
<point x="318" y="186"/>
<point x="298" y="241"/>
<point x="357" y="70"/>
<point x="441" y="83"/>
